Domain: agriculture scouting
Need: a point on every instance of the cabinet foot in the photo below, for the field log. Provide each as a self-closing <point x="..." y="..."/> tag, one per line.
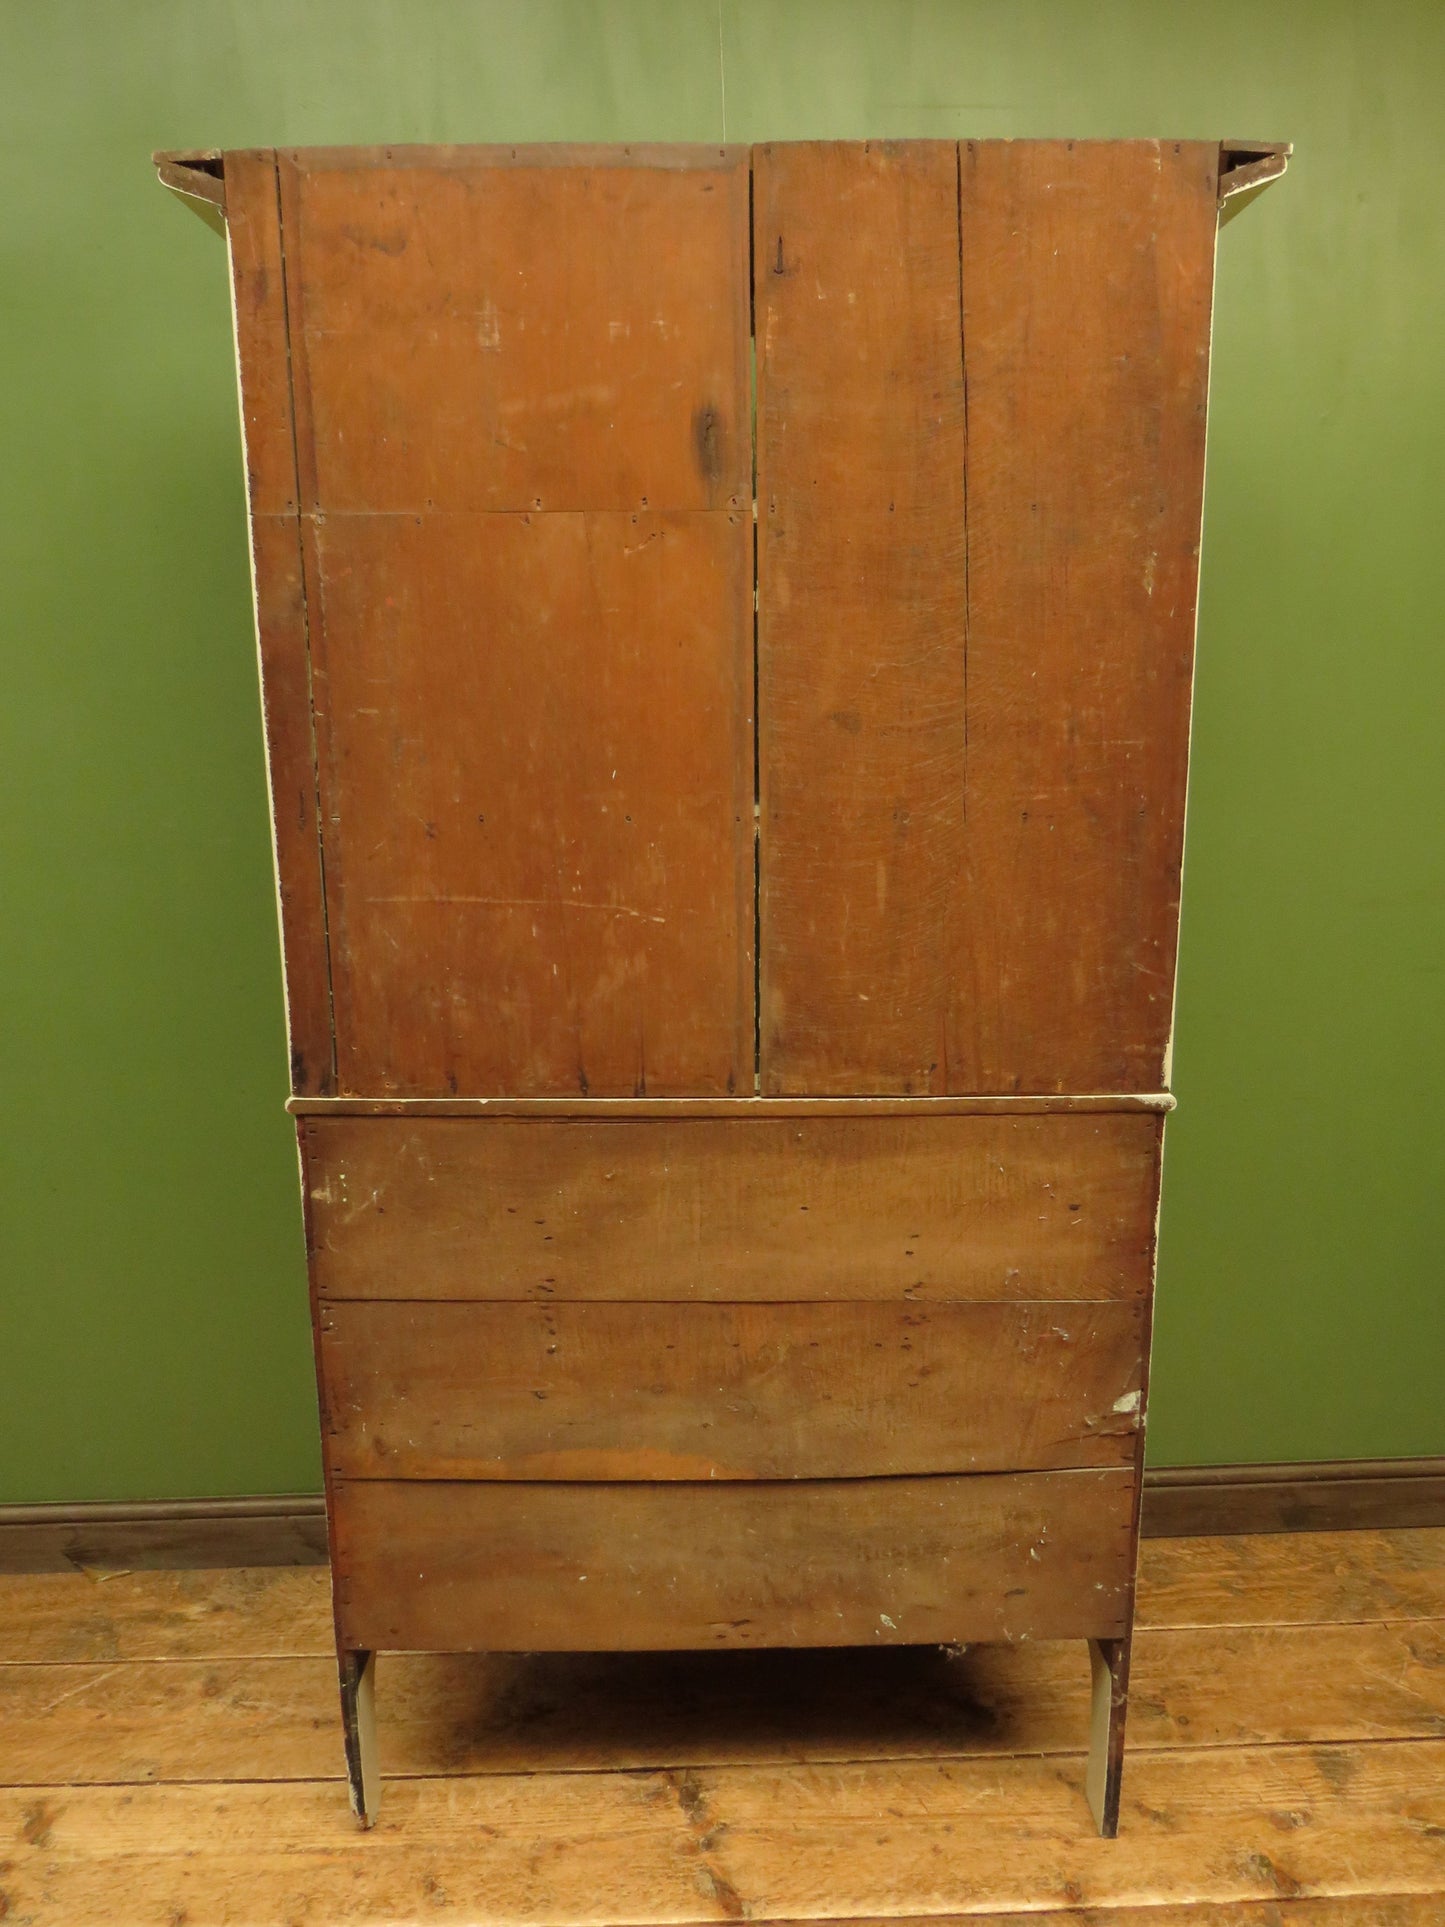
<point x="358" y="1725"/>
<point x="1109" y="1659"/>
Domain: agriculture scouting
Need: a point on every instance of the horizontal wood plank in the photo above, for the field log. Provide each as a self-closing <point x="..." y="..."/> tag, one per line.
<point x="710" y="1391"/>
<point x="555" y="1567"/>
<point x="921" y="1208"/>
<point x="730" y="1107"/>
<point x="1318" y="1910"/>
<point x="241" y="1612"/>
<point x="1227" y="1824"/>
<point x="458" y="1714"/>
<point x="1292" y="1579"/>
<point x="873" y="1841"/>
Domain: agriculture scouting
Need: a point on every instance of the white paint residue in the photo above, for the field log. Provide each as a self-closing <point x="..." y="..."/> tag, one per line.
<point x="1130" y="1402"/>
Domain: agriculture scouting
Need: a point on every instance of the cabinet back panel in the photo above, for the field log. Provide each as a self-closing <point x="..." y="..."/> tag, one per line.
<point x="487" y="335"/>
<point x="1088" y="271"/>
<point x="534" y="742"/>
<point x="920" y="1208"/>
<point x="520" y="394"/>
<point x="888" y="1562"/>
<point x="861" y="458"/>
<point x="981" y="394"/>
<point x="714" y="1391"/>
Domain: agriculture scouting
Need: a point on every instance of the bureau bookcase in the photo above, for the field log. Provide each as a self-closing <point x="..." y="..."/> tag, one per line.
<point x="726" y="621"/>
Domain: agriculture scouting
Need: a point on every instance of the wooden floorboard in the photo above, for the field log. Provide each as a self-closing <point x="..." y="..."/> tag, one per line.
<point x="1315" y="1578"/>
<point x="171" y="1755"/>
<point x="1289" y="1579"/>
<point x="238" y="1612"/>
<point x="798" y="1841"/>
<point x="1324" y="1910"/>
<point x="477" y="1713"/>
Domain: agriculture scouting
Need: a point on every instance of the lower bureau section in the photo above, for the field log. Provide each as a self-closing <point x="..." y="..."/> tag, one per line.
<point x="453" y="1567"/>
<point x="430" y="1390"/>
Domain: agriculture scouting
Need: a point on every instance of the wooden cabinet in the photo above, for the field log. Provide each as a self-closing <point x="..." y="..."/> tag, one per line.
<point x="726" y="622"/>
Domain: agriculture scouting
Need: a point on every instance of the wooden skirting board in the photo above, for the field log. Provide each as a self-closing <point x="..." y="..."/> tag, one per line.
<point x="1326" y="1495"/>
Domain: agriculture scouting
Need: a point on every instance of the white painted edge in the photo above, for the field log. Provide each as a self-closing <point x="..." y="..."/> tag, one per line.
<point x="260" y="663"/>
<point x="1168" y="1065"/>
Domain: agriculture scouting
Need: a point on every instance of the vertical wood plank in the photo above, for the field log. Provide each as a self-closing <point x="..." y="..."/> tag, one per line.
<point x="1087" y="282"/>
<point x="539" y="839"/>
<point x="522" y="411"/>
<point x="860" y="437"/>
<point x="258" y="294"/>
<point x="974" y="725"/>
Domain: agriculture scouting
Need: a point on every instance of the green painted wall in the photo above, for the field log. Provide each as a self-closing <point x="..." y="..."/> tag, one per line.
<point x="154" y="1335"/>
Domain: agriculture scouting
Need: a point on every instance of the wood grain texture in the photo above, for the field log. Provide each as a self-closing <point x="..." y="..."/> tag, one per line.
<point x="1087" y="282"/>
<point x="715" y="1391"/>
<point x="538" y="760"/>
<point x="1299" y="1580"/>
<point x="920" y="1208"/>
<point x="861" y="609"/>
<point x="865" y="1842"/>
<point x="237" y="1613"/>
<point x="522" y="430"/>
<point x="815" y="1785"/>
<point x="268" y="432"/>
<point x="1293" y="1579"/>
<point x="281" y="611"/>
<point x="1269" y="1823"/>
<point x="974" y="715"/>
<point x="552" y="335"/>
<point x="546" y="1567"/>
<point x="459" y="1714"/>
<point x="1320" y="1910"/>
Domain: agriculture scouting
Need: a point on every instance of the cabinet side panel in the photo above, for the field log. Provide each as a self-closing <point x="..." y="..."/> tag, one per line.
<point x="1087" y="281"/>
<point x="522" y="390"/>
<point x="258" y="292"/>
<point x="861" y="691"/>
<point x="458" y="1567"/>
